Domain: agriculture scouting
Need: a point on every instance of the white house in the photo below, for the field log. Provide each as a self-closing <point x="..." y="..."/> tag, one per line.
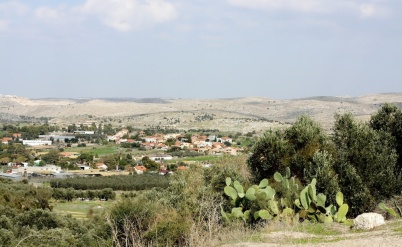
<point x="37" y="169"/>
<point x="224" y="139"/>
<point x="160" y="157"/>
<point x="36" y="142"/>
<point x="84" y="132"/>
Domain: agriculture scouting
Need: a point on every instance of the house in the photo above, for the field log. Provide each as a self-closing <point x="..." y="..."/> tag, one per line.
<point x="207" y="165"/>
<point x="17" y="135"/>
<point x="123" y="140"/>
<point x="45" y="170"/>
<point x="59" y="138"/>
<point x="224" y="139"/>
<point x="150" y="139"/>
<point x="111" y="138"/>
<point x="160" y="157"/>
<point x="218" y="145"/>
<point x="182" y="168"/>
<point x="204" y="144"/>
<point x="140" y="169"/>
<point x="230" y="150"/>
<point x="83" y="167"/>
<point x="148" y="145"/>
<point x="36" y="142"/>
<point x="71" y="155"/>
<point x="186" y="145"/>
<point x="122" y="133"/>
<point x="164" y="172"/>
<point x="5" y="140"/>
<point x="211" y="138"/>
<point x="101" y="166"/>
<point x="162" y="146"/>
<point x="84" y="132"/>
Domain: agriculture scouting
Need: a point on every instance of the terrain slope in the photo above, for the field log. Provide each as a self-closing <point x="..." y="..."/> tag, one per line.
<point x="231" y="114"/>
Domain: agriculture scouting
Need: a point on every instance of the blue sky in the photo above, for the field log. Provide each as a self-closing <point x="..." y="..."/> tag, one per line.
<point x="279" y="49"/>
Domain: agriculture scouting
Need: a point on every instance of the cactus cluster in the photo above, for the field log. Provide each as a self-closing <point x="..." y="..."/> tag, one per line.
<point x="289" y="188"/>
<point x="340" y="215"/>
<point x="312" y="206"/>
<point x="258" y="202"/>
<point x="390" y="211"/>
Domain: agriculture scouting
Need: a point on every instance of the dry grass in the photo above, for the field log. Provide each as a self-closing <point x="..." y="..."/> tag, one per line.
<point x="335" y="235"/>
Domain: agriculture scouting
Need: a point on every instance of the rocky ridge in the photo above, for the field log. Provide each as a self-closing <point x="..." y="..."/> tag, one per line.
<point x="232" y="114"/>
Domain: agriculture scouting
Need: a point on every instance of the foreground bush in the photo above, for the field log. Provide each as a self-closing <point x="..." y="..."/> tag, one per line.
<point x="185" y="214"/>
<point x="143" y="222"/>
<point x="356" y="159"/>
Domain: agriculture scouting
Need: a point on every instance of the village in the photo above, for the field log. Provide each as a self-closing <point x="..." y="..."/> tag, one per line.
<point x="132" y="152"/>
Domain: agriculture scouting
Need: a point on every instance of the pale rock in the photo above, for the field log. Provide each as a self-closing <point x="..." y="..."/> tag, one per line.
<point x="368" y="221"/>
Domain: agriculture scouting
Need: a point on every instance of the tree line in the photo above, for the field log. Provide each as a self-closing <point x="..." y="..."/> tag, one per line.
<point x="363" y="160"/>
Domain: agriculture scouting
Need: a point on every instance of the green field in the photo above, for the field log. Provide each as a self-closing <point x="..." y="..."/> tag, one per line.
<point x="99" y="150"/>
<point x="109" y="149"/>
<point x="80" y="209"/>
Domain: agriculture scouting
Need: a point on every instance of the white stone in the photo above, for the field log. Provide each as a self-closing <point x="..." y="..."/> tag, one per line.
<point x="368" y="221"/>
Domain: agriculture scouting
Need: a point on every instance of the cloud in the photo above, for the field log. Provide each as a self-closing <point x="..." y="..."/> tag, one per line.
<point x="365" y="9"/>
<point x="372" y="10"/>
<point x="296" y="5"/>
<point x="13" y="8"/>
<point x="126" y="15"/>
<point x="47" y="13"/>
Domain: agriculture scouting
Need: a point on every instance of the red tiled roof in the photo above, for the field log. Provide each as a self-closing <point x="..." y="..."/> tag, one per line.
<point x="141" y="168"/>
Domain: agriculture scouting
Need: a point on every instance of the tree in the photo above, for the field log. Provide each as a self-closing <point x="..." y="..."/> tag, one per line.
<point x="150" y="164"/>
<point x="271" y="153"/>
<point x="4" y="160"/>
<point x="389" y="119"/>
<point x="364" y="154"/>
<point x="294" y="148"/>
<point x="86" y="157"/>
<point x="305" y="137"/>
<point x="322" y="169"/>
<point x="52" y="157"/>
<point x="71" y="128"/>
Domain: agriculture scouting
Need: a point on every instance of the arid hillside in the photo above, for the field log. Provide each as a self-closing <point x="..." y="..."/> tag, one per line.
<point x="234" y="114"/>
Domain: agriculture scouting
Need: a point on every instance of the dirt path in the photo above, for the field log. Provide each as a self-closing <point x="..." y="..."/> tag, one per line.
<point x="389" y="235"/>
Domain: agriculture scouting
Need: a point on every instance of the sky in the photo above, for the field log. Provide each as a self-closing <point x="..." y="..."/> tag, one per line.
<point x="281" y="49"/>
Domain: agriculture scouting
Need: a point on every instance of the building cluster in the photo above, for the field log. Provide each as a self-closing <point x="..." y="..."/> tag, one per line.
<point x="211" y="144"/>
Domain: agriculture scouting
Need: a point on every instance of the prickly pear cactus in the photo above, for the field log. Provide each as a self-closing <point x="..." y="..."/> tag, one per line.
<point x="257" y="201"/>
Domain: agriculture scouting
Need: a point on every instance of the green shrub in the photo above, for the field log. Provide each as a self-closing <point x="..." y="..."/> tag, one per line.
<point x="322" y="169"/>
<point x="118" y="182"/>
<point x="140" y="221"/>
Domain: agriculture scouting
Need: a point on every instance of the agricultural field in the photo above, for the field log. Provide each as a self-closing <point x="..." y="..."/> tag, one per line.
<point x="80" y="209"/>
<point x="100" y="150"/>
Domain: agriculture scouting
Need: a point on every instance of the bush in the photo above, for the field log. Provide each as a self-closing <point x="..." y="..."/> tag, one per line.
<point x="142" y="222"/>
<point x="271" y="153"/>
<point x="322" y="169"/>
<point x="365" y="155"/>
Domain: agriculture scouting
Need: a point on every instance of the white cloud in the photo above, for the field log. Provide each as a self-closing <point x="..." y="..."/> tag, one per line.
<point x="125" y="15"/>
<point x="297" y="5"/>
<point x="13" y="8"/>
<point x="371" y="10"/>
<point x="47" y="13"/>
<point x="367" y="9"/>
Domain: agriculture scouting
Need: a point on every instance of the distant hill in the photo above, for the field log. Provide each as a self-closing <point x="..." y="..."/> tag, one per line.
<point x="232" y="114"/>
